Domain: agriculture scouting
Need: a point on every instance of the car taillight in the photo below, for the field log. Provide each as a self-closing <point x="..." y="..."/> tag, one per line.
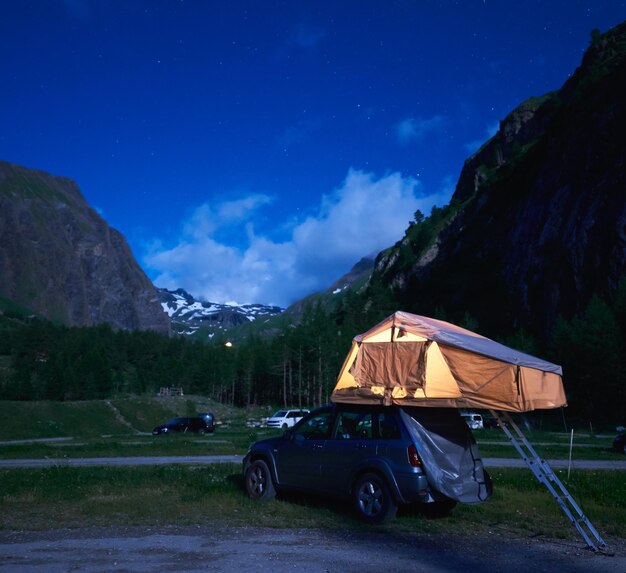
<point x="414" y="459"/>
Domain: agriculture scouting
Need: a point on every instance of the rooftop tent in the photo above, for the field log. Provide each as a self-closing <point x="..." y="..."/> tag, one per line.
<point x="413" y="360"/>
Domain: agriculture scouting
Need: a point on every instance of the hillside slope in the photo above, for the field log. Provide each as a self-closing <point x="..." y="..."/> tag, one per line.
<point x="61" y="260"/>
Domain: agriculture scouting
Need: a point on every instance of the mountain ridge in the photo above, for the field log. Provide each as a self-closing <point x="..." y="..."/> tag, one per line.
<point x="537" y="223"/>
<point x="194" y="317"/>
<point x="60" y="259"/>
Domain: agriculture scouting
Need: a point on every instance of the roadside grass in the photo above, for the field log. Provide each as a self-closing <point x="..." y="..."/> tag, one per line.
<point x="182" y="495"/>
<point x="235" y="439"/>
<point x="122" y="428"/>
<point x="554" y="451"/>
<point x="223" y="441"/>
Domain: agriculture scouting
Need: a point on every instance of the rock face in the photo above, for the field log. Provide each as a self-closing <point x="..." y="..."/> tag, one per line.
<point x="537" y="223"/>
<point x="60" y="259"/>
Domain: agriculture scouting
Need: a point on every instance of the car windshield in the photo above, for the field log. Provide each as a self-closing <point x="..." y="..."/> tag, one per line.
<point x="280" y="414"/>
<point x="173" y="421"/>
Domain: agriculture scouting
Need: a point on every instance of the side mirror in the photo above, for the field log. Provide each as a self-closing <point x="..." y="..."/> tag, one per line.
<point x="288" y="434"/>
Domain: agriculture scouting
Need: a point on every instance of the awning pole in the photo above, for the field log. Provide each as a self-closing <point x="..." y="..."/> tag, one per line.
<point x="543" y="472"/>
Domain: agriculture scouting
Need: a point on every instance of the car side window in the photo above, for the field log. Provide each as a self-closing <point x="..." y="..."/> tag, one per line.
<point x="387" y="427"/>
<point x="316" y="427"/>
<point x="353" y="425"/>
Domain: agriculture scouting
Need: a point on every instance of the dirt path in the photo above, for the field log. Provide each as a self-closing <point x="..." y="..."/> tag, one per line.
<point x="236" y="459"/>
<point x="195" y="549"/>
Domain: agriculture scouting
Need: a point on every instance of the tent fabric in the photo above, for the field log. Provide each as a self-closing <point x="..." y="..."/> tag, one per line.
<point x="452" y="462"/>
<point x="418" y="361"/>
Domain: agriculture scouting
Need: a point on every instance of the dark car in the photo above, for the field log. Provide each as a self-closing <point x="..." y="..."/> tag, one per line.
<point x="209" y="418"/>
<point x="619" y="443"/>
<point x="380" y="457"/>
<point x="196" y="425"/>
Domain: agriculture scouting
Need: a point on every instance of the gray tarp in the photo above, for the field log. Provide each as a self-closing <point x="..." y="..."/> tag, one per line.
<point x="449" y="452"/>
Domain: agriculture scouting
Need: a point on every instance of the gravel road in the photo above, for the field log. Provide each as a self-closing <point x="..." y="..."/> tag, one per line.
<point x="235" y="459"/>
<point x="206" y="548"/>
<point x="195" y="549"/>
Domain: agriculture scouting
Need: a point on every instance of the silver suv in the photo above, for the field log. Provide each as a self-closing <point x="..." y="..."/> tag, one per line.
<point x="380" y="457"/>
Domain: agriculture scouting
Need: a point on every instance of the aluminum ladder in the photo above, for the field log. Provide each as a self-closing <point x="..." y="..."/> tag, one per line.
<point x="543" y="472"/>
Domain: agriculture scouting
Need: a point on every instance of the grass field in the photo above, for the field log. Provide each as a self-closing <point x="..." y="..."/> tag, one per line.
<point x="182" y="495"/>
<point x="121" y="427"/>
<point x="62" y="496"/>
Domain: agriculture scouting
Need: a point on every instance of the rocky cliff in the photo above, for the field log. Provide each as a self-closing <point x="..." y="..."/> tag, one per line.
<point x="537" y="223"/>
<point x="60" y="259"/>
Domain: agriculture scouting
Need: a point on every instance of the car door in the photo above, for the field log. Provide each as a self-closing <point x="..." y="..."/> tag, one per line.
<point x="350" y="445"/>
<point x="299" y="459"/>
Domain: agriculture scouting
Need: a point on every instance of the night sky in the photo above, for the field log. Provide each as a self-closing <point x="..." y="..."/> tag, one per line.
<point x="254" y="151"/>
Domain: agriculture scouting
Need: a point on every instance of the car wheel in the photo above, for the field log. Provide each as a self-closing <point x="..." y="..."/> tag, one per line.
<point x="259" y="483"/>
<point x="373" y="500"/>
<point x="284" y="427"/>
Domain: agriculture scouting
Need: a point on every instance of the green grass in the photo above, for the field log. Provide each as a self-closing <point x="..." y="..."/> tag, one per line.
<point x="183" y="495"/>
<point x="123" y="429"/>
<point x="94" y="418"/>
<point x="32" y="420"/>
<point x="223" y="441"/>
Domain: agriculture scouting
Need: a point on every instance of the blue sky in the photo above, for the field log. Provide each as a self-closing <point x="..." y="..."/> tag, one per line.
<point x="254" y="151"/>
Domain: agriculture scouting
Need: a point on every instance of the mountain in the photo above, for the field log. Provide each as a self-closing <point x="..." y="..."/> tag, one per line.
<point x="537" y="224"/>
<point x="355" y="279"/>
<point x="204" y="319"/>
<point x="62" y="261"/>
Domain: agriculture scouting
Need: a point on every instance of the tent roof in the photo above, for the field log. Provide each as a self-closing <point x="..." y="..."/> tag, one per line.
<point x="457" y="337"/>
<point x="418" y="361"/>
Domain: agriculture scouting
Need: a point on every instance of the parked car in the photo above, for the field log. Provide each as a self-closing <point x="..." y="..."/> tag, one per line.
<point x="380" y="457"/>
<point x="619" y="443"/>
<point x="285" y="418"/>
<point x="196" y="424"/>
<point x="474" y="421"/>
<point x="209" y="418"/>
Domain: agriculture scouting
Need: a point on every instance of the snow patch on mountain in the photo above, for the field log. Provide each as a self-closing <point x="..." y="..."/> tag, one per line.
<point x="188" y="314"/>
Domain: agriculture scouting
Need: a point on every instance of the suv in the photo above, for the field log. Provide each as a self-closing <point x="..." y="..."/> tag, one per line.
<point x="377" y="456"/>
<point x="473" y="420"/>
<point x="285" y="418"/>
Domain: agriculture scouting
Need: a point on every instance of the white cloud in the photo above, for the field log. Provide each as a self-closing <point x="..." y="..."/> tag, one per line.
<point x="416" y="128"/>
<point x="363" y="216"/>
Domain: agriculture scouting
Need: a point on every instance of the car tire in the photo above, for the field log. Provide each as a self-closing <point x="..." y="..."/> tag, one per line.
<point x="373" y="501"/>
<point x="284" y="427"/>
<point x="258" y="479"/>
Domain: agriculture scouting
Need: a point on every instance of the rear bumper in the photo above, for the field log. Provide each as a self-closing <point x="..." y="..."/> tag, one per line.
<point x="412" y="488"/>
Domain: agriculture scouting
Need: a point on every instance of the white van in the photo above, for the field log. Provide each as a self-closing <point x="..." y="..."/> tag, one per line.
<point x="285" y="418"/>
<point x="473" y="420"/>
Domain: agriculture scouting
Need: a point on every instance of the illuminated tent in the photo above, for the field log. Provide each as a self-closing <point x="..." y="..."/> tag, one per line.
<point x="412" y="360"/>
